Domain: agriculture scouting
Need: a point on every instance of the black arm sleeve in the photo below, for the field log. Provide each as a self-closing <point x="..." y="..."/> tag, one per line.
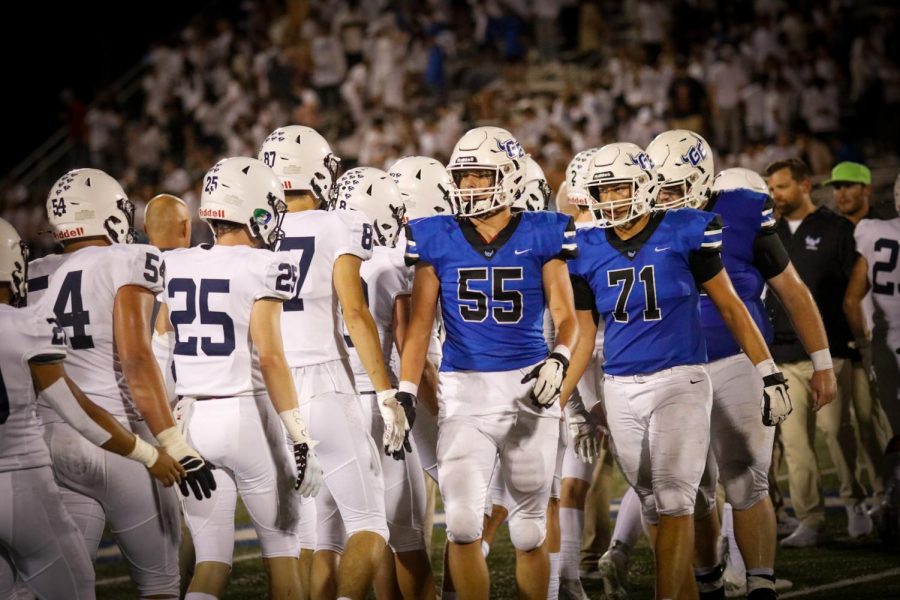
<point x="705" y="264"/>
<point x="584" y="296"/>
<point x="769" y="255"/>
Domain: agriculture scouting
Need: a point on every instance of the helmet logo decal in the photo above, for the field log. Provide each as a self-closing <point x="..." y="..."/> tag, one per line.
<point x="212" y="182"/>
<point x="641" y="160"/>
<point x="511" y="147"/>
<point x="262" y="217"/>
<point x="59" y="207"/>
<point x="695" y="154"/>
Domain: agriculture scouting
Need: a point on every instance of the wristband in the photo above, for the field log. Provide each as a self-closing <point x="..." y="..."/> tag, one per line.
<point x="296" y="426"/>
<point x="563" y="350"/>
<point x="144" y="453"/>
<point x="385" y="394"/>
<point x="766" y="368"/>
<point x="821" y="360"/>
<point x="409" y="387"/>
<point x="173" y="441"/>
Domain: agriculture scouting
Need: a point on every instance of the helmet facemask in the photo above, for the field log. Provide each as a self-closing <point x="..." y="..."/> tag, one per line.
<point x="112" y="224"/>
<point x="619" y="211"/>
<point x="18" y="283"/>
<point x="476" y="201"/>
<point x="267" y="228"/>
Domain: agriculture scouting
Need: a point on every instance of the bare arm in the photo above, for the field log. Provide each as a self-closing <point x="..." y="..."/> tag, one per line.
<point x="265" y="332"/>
<point x="359" y="321"/>
<point x="857" y="288"/>
<point x="131" y="331"/>
<point x="581" y="356"/>
<point x="736" y="317"/>
<point x="427" y="392"/>
<point x="426" y="287"/>
<point x="561" y="302"/>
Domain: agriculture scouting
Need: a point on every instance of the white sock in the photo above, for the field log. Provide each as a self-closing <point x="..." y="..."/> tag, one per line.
<point x="628" y="523"/>
<point x="199" y="596"/>
<point x="553" y="591"/>
<point x="571" y="523"/>
<point x="735" y="560"/>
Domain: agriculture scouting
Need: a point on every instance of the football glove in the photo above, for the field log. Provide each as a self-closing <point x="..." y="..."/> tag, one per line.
<point x="309" y="470"/>
<point x="395" y="423"/>
<point x="582" y="431"/>
<point x="776" y="402"/>
<point x="408" y="402"/>
<point x="199" y="478"/>
<point x="548" y="378"/>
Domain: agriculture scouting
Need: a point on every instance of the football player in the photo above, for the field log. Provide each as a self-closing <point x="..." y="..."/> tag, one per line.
<point x="656" y="387"/>
<point x="878" y="244"/>
<point x="493" y="272"/>
<point x="741" y="442"/>
<point x="39" y="541"/>
<point x="386" y="282"/>
<point x="224" y="307"/>
<point x="350" y="524"/>
<point x="101" y="289"/>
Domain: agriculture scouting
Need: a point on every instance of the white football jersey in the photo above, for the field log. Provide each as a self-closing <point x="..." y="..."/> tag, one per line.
<point x="82" y="293"/>
<point x="385" y="277"/>
<point x="39" y="272"/>
<point x="27" y="333"/>
<point x="879" y="243"/>
<point x="310" y="325"/>
<point x="210" y="293"/>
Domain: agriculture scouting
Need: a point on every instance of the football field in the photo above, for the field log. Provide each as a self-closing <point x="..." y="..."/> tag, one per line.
<point x="842" y="569"/>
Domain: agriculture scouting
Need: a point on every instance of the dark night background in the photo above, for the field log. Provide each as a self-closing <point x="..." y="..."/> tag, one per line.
<point x="80" y="45"/>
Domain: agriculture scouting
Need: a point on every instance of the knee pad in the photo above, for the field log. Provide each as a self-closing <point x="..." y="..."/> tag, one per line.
<point x="464" y="525"/>
<point x="527" y="533"/>
<point x="673" y="500"/>
<point x="744" y="490"/>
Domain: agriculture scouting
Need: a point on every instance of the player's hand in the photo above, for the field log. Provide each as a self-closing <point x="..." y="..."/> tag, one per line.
<point x="581" y="429"/>
<point x="166" y="469"/>
<point x="309" y="470"/>
<point x="395" y="423"/>
<point x="824" y="388"/>
<point x="776" y="402"/>
<point x="198" y="476"/>
<point x="408" y="402"/>
<point x="548" y="378"/>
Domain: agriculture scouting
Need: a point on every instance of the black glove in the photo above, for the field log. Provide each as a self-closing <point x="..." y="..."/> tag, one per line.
<point x="309" y="470"/>
<point x="408" y="402"/>
<point x="199" y="476"/>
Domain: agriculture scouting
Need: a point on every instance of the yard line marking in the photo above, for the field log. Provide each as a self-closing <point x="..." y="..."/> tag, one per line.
<point x="839" y="584"/>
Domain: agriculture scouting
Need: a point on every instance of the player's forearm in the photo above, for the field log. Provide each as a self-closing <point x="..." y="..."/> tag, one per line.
<point x="567" y="332"/>
<point x="415" y="350"/>
<point x="581" y="358"/>
<point x="741" y="325"/>
<point x="121" y="440"/>
<point x="279" y="383"/>
<point x="148" y="390"/>
<point x="364" y="334"/>
<point x="427" y="395"/>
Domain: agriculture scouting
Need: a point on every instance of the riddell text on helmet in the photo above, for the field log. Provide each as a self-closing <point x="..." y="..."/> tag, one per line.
<point x="212" y="213"/>
<point x="69" y="233"/>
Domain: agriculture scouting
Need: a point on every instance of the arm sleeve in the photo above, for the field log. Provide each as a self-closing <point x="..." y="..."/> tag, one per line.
<point x="584" y="295"/>
<point x="280" y="275"/>
<point x="706" y="259"/>
<point x="769" y="255"/>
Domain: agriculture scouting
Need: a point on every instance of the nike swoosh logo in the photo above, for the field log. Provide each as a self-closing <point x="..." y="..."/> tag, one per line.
<point x="518" y="252"/>
<point x="661" y="249"/>
<point x="698" y="381"/>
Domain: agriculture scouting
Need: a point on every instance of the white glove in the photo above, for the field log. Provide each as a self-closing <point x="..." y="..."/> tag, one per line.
<point x="548" y="377"/>
<point x="581" y="429"/>
<point x="395" y="423"/>
<point x="309" y="469"/>
<point x="776" y="402"/>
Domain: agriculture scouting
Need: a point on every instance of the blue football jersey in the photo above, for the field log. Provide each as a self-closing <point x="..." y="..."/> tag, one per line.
<point x="645" y="290"/>
<point x="745" y="215"/>
<point x="492" y="294"/>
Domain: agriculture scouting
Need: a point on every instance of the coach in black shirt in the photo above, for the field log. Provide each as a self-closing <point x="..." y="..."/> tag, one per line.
<point x="822" y="249"/>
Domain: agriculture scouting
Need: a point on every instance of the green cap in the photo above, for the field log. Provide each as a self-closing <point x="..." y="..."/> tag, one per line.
<point x="849" y="172"/>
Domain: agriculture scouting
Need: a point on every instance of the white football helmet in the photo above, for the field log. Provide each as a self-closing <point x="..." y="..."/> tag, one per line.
<point x="575" y="189"/>
<point x="424" y="185"/>
<point x="739" y="178"/>
<point x="490" y="149"/>
<point x="684" y="158"/>
<point x="373" y="192"/>
<point x="302" y="160"/>
<point x="13" y="262"/>
<point x="245" y="191"/>
<point x="537" y="191"/>
<point x="89" y="203"/>
<point x="621" y="163"/>
<point x="897" y="193"/>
